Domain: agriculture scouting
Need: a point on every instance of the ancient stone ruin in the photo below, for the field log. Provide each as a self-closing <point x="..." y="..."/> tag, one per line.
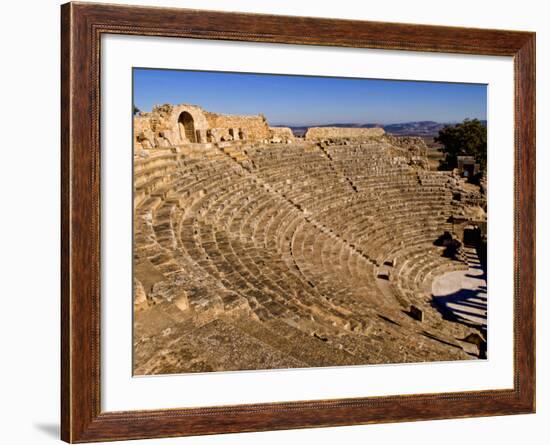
<point x="255" y="249"/>
<point x="170" y="126"/>
<point x="316" y="133"/>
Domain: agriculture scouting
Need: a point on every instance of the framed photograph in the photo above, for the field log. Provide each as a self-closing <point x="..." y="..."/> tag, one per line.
<point x="274" y="222"/>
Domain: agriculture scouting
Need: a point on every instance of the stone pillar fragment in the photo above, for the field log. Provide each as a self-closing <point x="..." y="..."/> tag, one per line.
<point x="202" y="136"/>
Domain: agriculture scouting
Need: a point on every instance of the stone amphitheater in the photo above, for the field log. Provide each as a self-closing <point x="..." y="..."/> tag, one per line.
<point x="255" y="249"/>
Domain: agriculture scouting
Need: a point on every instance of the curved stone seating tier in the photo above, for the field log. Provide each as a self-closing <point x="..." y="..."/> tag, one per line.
<point x="307" y="311"/>
<point x="164" y="229"/>
<point x="378" y="227"/>
<point x="334" y="267"/>
<point x="417" y="263"/>
<point x="152" y="173"/>
<point x="178" y="275"/>
<point x="270" y="288"/>
<point x="291" y="237"/>
<point x="301" y="177"/>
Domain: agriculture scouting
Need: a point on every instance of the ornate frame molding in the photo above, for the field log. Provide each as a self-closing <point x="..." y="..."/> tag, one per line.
<point x="82" y="25"/>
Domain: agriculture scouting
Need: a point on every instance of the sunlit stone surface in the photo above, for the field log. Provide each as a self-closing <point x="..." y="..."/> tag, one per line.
<point x="254" y="249"/>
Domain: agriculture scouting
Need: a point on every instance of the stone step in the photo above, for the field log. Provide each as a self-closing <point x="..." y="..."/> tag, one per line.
<point x="310" y="349"/>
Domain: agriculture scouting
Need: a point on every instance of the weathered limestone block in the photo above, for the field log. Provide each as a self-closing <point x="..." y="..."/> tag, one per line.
<point x="145" y="138"/>
<point x="220" y="135"/>
<point x="479" y="342"/>
<point x="281" y="134"/>
<point x="234" y="133"/>
<point x="336" y="132"/>
<point x="181" y="302"/>
<point x="169" y="136"/>
<point x="256" y="126"/>
<point x="413" y="144"/>
<point x="140" y="298"/>
<point x="161" y="142"/>
<point x="416" y="313"/>
<point x="202" y="137"/>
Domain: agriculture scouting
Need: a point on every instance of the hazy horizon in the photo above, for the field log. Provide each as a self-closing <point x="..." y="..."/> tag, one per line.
<point x="293" y="100"/>
<point x="373" y="123"/>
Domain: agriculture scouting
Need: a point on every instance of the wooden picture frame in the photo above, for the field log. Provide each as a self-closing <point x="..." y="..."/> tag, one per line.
<point x="82" y="26"/>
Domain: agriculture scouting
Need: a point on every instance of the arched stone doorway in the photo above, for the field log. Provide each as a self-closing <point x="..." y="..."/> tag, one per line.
<point x="187" y="127"/>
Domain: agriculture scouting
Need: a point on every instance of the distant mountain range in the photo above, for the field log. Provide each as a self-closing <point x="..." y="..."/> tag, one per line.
<point x="416" y="128"/>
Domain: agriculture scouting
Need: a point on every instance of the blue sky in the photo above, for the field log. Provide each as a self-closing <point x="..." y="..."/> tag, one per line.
<point x="305" y="100"/>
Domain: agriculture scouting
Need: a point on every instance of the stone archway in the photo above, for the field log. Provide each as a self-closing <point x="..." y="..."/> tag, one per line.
<point x="186" y="126"/>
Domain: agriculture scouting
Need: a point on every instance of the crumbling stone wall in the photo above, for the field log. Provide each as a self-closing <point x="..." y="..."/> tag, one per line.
<point x="413" y="144"/>
<point x="174" y="125"/>
<point x="412" y="149"/>
<point x="256" y="127"/>
<point x="314" y="133"/>
<point x="281" y="134"/>
<point x="162" y="127"/>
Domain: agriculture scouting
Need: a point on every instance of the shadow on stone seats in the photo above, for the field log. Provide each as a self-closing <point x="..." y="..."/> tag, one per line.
<point x="434" y="337"/>
<point x="465" y="299"/>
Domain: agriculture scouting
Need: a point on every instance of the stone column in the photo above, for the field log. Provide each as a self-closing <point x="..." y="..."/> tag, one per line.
<point x="235" y="133"/>
<point x="201" y="136"/>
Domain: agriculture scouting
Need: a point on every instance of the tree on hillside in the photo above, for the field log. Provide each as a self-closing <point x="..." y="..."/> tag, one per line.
<point x="466" y="139"/>
<point x="136" y="110"/>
